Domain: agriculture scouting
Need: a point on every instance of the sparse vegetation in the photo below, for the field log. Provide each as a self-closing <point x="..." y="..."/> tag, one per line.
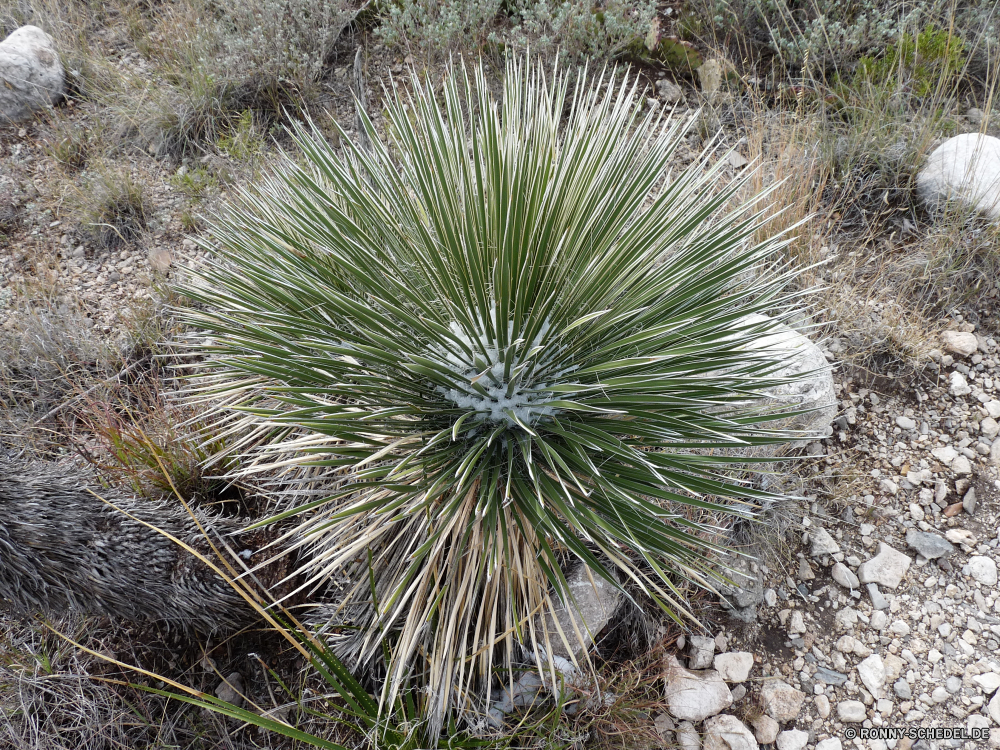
<point x="174" y="108"/>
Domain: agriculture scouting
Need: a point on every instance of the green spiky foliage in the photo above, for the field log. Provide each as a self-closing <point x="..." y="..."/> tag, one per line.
<point x="507" y="337"/>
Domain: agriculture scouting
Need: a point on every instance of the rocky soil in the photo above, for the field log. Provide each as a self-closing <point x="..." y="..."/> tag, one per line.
<point x="890" y="614"/>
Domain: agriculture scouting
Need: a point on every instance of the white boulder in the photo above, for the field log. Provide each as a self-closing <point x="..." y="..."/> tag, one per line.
<point x="726" y="732"/>
<point x="965" y="168"/>
<point x="813" y="387"/>
<point x="694" y="696"/>
<point x="31" y="75"/>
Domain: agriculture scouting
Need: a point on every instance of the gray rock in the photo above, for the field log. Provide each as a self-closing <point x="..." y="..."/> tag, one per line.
<point x="528" y="689"/>
<point x="994" y="708"/>
<point x="902" y="689"/>
<point x="231" y="690"/>
<point x="831" y="743"/>
<point x="596" y="603"/>
<point x="887" y="568"/>
<point x="844" y="576"/>
<point x="781" y="701"/>
<point x="31" y="75"/>
<point x="669" y="91"/>
<point x="822" y="543"/>
<point x="953" y="684"/>
<point x="878" y="601"/>
<point x="851" y="711"/>
<point x="958" y="385"/>
<point x="701" y="650"/>
<point x="931" y="546"/>
<point x="792" y="739"/>
<point x="694" y="696"/>
<point x="905" y="424"/>
<point x="739" y="693"/>
<point x="726" y="732"/>
<point x="829" y="677"/>
<point x="966" y="169"/>
<point x="734" y="666"/>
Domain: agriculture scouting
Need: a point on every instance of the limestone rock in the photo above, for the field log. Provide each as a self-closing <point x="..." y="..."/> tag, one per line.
<point x="694" y="696"/>
<point x="701" y="650"/>
<point x="844" y="576"/>
<point x="31" y="75"/>
<point x="822" y="543"/>
<point x="735" y="666"/>
<point x="872" y="674"/>
<point x="983" y="570"/>
<point x="966" y="169"/>
<point x="831" y="743"/>
<point x="782" y="702"/>
<point x="231" y="689"/>
<point x="765" y="729"/>
<point x="815" y="392"/>
<point x="688" y="737"/>
<point x="851" y="711"/>
<point x="792" y="739"/>
<point x="960" y="342"/>
<point x="596" y="602"/>
<point x="726" y="732"/>
<point x="886" y="568"/>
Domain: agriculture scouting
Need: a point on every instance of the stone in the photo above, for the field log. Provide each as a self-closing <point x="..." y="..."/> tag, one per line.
<point x="994" y="709"/>
<point x="796" y="623"/>
<point x="906" y="424"/>
<point x="781" y="701"/>
<point x="31" y="74"/>
<point x="844" y="576"/>
<point x="878" y="601"/>
<point x="957" y="384"/>
<point x="829" y="676"/>
<point x="887" y="568"/>
<point x="830" y="743"/>
<point x="726" y="732"/>
<point x="669" y="91"/>
<point x="812" y="389"/>
<point x="960" y="536"/>
<point x="945" y="454"/>
<point x="664" y="726"/>
<point x="694" y="696"/>
<point x="792" y="739"/>
<point x="966" y="169"/>
<point x="160" y="260"/>
<point x="988" y="682"/>
<point x="822" y="543"/>
<point x="961" y="465"/>
<point x="596" y="602"/>
<point x="735" y="666"/>
<point x="902" y="689"/>
<point x="805" y="572"/>
<point x="231" y="690"/>
<point x="527" y="690"/>
<point x="959" y="342"/>
<point x="701" y="650"/>
<point x="969" y="501"/>
<point x="765" y="729"/>
<point x="878" y="620"/>
<point x="688" y="737"/>
<point x="872" y="674"/>
<point x="983" y="570"/>
<point x="822" y="706"/>
<point x="851" y="711"/>
<point x="931" y="546"/>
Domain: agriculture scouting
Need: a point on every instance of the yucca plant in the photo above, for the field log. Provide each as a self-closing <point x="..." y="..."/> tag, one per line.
<point x="507" y="338"/>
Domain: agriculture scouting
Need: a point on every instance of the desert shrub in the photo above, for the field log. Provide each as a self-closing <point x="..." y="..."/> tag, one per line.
<point x="579" y="29"/>
<point x="432" y="28"/>
<point x="919" y="63"/>
<point x="831" y="34"/>
<point x="505" y="345"/>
